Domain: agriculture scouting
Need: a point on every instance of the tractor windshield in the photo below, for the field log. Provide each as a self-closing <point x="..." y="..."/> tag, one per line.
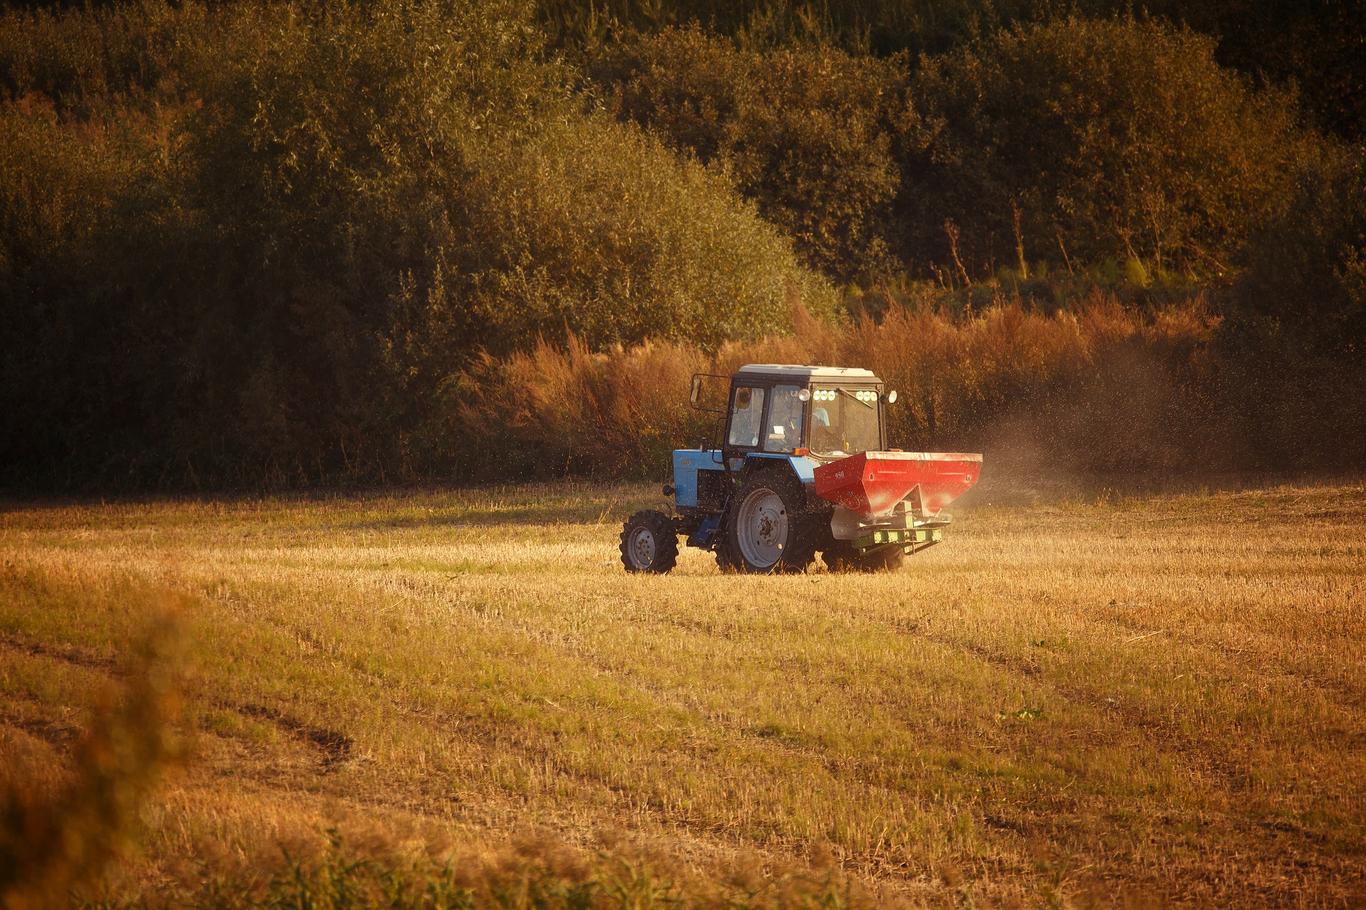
<point x="784" y="430"/>
<point x="844" y="421"/>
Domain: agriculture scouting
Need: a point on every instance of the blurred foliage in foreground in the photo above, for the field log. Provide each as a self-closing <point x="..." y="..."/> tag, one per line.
<point x="55" y="840"/>
<point x="252" y="244"/>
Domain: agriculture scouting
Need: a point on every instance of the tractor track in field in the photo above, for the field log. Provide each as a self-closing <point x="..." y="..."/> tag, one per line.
<point x="1340" y="691"/>
<point x="56" y="734"/>
<point x="334" y="745"/>
<point x="1192" y="751"/>
<point x="434" y="799"/>
<point x="66" y="654"/>
<point x="1293" y="844"/>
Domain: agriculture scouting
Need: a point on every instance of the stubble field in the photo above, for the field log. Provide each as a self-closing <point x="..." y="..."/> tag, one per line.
<point x="1076" y="700"/>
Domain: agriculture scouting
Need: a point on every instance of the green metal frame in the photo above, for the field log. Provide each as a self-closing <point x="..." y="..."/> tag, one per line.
<point x="912" y="540"/>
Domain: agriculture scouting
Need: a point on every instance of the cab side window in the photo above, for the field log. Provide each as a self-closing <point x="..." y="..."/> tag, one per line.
<point x="746" y="407"/>
<point x="783" y="432"/>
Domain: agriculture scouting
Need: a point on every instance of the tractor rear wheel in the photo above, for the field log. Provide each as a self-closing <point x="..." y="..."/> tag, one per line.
<point x="649" y="542"/>
<point x="767" y="527"/>
<point x="843" y="557"/>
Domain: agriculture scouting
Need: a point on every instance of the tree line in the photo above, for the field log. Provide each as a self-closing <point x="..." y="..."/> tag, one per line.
<point x="254" y="243"/>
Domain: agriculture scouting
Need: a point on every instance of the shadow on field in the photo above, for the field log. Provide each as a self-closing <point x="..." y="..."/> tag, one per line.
<point x="586" y="511"/>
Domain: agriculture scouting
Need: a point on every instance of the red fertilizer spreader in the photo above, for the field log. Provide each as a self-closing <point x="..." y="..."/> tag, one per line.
<point x="873" y="484"/>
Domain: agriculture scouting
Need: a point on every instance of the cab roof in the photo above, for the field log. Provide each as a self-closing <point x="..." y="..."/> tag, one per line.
<point x="808" y="373"/>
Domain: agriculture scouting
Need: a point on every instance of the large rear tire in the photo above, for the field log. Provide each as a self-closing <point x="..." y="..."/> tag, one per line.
<point x="767" y="526"/>
<point x="649" y="542"/>
<point x="842" y="557"/>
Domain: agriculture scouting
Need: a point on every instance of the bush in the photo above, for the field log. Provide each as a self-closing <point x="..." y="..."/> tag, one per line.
<point x="882" y="27"/>
<point x="593" y="227"/>
<point x="1313" y="45"/>
<point x="401" y="188"/>
<point x="806" y="132"/>
<point x="1079" y="141"/>
<point x="1092" y="388"/>
<point x="55" y="841"/>
<point x="88" y="61"/>
<point x="1303" y="275"/>
<point x="281" y="244"/>
<point x="75" y="236"/>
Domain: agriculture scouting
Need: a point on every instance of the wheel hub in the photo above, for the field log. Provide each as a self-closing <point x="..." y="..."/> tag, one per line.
<point x="762" y="527"/>
<point x="642" y="547"/>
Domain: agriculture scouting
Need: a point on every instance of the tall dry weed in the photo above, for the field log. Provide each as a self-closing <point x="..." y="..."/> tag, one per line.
<point x="554" y="410"/>
<point x="1097" y="387"/>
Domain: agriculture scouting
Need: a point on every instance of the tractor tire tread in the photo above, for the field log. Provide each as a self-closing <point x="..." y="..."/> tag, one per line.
<point x="803" y="531"/>
<point x="666" y="541"/>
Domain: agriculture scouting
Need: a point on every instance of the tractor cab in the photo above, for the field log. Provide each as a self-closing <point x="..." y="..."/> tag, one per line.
<point x="801" y="466"/>
<point x="821" y="412"/>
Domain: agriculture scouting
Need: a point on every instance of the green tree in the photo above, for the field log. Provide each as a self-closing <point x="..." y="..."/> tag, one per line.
<point x="1295" y="336"/>
<point x="1085" y="140"/>
<point x="1315" y="45"/>
<point x="272" y="277"/>
<point x="806" y="132"/>
<point x="1303" y="274"/>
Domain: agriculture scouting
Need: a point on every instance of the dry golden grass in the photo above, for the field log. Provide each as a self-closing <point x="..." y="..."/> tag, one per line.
<point x="1104" y="699"/>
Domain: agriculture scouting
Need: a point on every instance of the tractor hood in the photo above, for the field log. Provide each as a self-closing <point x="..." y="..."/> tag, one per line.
<point x="872" y="483"/>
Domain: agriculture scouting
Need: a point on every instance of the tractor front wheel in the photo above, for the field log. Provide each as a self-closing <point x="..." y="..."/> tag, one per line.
<point x="767" y="528"/>
<point x="649" y="542"/>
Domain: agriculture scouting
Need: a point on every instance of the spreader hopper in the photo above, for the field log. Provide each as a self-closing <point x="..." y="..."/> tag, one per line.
<point x="872" y="483"/>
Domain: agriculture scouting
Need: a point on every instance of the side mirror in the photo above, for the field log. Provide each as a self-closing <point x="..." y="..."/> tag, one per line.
<point x="696" y="392"/>
<point x="891" y="397"/>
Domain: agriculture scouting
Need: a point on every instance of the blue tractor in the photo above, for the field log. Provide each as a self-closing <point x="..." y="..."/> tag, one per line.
<point x="803" y="468"/>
